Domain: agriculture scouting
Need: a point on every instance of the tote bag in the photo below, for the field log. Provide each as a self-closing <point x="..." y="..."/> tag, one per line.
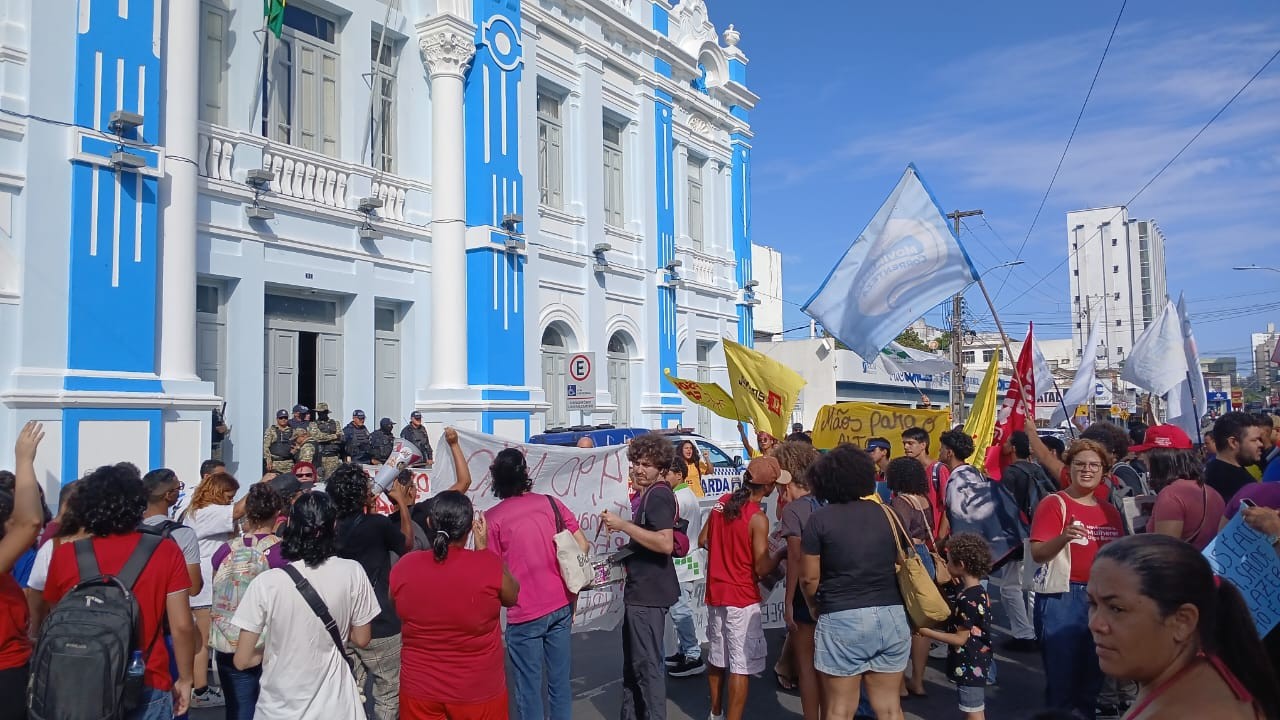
<point x="924" y="603"/>
<point x="576" y="568"/>
<point x="1053" y="576"/>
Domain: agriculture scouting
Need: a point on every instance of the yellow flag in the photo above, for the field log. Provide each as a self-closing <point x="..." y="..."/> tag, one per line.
<point x="709" y="395"/>
<point x="981" y="425"/>
<point x="764" y="390"/>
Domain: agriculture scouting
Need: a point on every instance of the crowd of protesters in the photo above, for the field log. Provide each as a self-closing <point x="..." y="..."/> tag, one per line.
<point x="313" y="605"/>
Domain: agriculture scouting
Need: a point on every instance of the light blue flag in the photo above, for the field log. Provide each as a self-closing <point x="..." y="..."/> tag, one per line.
<point x="905" y="262"/>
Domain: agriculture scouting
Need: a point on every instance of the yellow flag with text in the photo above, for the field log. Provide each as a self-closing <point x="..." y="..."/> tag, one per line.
<point x="981" y="425"/>
<point x="764" y="390"/>
<point x="709" y="395"/>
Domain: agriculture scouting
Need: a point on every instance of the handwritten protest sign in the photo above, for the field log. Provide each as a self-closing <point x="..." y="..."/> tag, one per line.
<point x="1246" y="558"/>
<point x="856" y="422"/>
<point x="587" y="480"/>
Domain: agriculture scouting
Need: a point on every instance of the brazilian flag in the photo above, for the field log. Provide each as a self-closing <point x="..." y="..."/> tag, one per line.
<point x="274" y="10"/>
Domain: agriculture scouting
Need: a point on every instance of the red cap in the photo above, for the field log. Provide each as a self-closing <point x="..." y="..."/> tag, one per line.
<point x="1168" y="437"/>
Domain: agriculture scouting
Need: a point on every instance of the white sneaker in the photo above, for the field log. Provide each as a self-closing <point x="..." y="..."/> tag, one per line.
<point x="713" y="716"/>
<point x="212" y="697"/>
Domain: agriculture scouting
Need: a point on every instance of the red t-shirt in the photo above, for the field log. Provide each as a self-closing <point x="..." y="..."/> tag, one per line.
<point x="1102" y="492"/>
<point x="165" y="574"/>
<point x="451" y="642"/>
<point x="1101" y="522"/>
<point x="936" y="475"/>
<point x="731" y="575"/>
<point x="15" y="647"/>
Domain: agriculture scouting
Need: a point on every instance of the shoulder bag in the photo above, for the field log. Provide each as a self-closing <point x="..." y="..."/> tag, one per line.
<point x="920" y="596"/>
<point x="575" y="565"/>
<point x="1053" y="576"/>
<point x="941" y="574"/>
<point x="322" y="611"/>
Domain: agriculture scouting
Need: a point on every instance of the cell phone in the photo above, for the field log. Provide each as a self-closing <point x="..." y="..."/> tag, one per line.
<point x="1248" y="503"/>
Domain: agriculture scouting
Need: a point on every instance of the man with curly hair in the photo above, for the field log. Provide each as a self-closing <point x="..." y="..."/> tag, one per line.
<point x="109" y="503"/>
<point x="651" y="587"/>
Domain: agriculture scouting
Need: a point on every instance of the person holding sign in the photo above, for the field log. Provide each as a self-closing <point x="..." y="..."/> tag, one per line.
<point x="1161" y="618"/>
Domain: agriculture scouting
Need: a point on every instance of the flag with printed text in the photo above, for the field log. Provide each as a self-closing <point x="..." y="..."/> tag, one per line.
<point x="764" y="390"/>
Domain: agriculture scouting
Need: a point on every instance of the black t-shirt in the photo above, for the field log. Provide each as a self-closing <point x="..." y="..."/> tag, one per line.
<point x="970" y="664"/>
<point x="370" y="540"/>
<point x="1226" y="478"/>
<point x="858" y="552"/>
<point x="651" y="576"/>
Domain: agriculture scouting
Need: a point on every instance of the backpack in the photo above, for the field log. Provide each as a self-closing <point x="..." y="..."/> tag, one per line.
<point x="1039" y="487"/>
<point x="679" y="531"/>
<point x="163" y="529"/>
<point x="1136" y="480"/>
<point x="245" y="562"/>
<point x="88" y="641"/>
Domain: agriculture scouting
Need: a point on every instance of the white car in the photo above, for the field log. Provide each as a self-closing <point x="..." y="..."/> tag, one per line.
<point x="727" y="469"/>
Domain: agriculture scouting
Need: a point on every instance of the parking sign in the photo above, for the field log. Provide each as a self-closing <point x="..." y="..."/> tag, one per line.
<point x="580" y="392"/>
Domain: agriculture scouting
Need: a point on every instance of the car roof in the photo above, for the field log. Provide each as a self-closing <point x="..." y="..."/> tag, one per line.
<point x="602" y="435"/>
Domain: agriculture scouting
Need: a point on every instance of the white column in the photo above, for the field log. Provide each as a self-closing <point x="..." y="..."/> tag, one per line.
<point x="447" y="47"/>
<point x="178" y="192"/>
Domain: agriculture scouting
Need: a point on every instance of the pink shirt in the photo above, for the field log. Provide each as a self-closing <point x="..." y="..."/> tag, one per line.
<point x="1197" y="506"/>
<point x="520" y="532"/>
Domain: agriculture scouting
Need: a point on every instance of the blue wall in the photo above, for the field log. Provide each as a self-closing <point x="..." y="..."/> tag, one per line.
<point x="666" y="229"/>
<point x="112" y="309"/>
<point x="742" y="229"/>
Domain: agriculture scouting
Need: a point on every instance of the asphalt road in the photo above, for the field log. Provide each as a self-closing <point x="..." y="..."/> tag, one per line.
<point x="597" y="672"/>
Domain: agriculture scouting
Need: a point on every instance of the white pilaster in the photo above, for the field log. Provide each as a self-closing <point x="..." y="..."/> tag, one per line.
<point x="447" y="47"/>
<point x="178" y="192"/>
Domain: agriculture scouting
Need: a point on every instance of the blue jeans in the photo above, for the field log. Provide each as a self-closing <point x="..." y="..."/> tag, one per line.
<point x="1072" y="676"/>
<point x="154" y="705"/>
<point x="682" y="618"/>
<point x="532" y="644"/>
<point x="239" y="687"/>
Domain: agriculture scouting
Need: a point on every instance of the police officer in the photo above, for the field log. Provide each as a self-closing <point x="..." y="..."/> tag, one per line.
<point x="220" y="432"/>
<point x="304" y="447"/>
<point x="383" y="441"/>
<point x="301" y="417"/>
<point x="415" y="433"/>
<point x="324" y="433"/>
<point x="278" y="444"/>
<point x="355" y="439"/>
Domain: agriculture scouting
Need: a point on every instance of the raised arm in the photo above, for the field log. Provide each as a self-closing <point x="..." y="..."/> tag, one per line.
<point x="460" y="469"/>
<point x="1045" y="457"/>
<point x="24" y="522"/>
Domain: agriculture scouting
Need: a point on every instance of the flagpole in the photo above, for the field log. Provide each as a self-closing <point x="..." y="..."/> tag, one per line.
<point x="1071" y="428"/>
<point x="1007" y="347"/>
<point x="264" y="81"/>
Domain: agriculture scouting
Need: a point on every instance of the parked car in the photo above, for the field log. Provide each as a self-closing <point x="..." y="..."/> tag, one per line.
<point x="727" y="469"/>
<point x="601" y="435"/>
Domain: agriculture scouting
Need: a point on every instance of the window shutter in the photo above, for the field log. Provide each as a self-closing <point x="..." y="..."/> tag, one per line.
<point x="212" y="58"/>
<point x="555" y="166"/>
<point x="307" y="120"/>
<point x="329" y="104"/>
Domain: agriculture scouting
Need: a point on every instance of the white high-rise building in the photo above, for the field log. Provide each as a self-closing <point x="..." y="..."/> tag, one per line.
<point x="1118" y="275"/>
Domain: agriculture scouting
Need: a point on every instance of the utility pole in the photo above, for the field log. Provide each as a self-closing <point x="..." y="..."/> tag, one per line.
<point x="957" y="335"/>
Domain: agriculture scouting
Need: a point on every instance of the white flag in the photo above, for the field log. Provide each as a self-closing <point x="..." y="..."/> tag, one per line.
<point x="900" y="359"/>
<point x="1188" y="401"/>
<point x="1082" y="386"/>
<point x="1044" y="376"/>
<point x="905" y="262"/>
<point x="1158" y="361"/>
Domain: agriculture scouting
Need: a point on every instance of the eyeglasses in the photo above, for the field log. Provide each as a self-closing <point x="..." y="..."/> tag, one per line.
<point x="304" y="475"/>
<point x="1087" y="465"/>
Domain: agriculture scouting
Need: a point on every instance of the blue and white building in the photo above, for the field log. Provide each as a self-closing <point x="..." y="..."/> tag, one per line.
<point x="396" y="205"/>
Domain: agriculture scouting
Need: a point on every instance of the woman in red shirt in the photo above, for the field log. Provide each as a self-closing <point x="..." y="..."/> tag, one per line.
<point x="1073" y="521"/>
<point x="20" y="517"/>
<point x="449" y="601"/>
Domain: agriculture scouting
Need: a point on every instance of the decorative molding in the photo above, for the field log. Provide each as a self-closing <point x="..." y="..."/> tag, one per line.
<point x="701" y="125"/>
<point x="447" y="44"/>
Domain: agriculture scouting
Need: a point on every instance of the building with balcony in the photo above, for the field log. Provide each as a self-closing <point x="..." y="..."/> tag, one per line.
<point x="391" y="206"/>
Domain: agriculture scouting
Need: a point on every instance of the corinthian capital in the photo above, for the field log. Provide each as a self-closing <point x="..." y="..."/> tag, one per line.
<point x="447" y="43"/>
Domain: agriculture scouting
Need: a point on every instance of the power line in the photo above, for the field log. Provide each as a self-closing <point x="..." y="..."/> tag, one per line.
<point x="1074" y="128"/>
<point x="1161" y="171"/>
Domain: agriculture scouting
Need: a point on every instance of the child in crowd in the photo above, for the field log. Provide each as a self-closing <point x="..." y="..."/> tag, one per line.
<point x="969" y="630"/>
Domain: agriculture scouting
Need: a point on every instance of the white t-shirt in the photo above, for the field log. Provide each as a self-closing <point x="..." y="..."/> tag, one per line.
<point x="40" y="568"/>
<point x="303" y="675"/>
<point x="213" y="526"/>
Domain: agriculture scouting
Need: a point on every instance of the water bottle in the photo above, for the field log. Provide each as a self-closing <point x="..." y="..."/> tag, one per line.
<point x="132" y="695"/>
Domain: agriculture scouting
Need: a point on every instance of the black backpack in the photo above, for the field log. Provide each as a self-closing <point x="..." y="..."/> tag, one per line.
<point x="163" y="529"/>
<point x="78" y="669"/>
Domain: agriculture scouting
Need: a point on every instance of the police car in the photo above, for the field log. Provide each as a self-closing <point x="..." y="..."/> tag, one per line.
<point x="726" y="474"/>
<point x="601" y="435"/>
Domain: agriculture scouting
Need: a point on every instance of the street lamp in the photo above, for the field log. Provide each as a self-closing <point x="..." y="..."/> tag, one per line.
<point x="1255" y="267"/>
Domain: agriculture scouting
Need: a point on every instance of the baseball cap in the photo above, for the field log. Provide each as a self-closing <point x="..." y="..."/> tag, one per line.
<point x="882" y="444"/>
<point x="300" y="410"/>
<point x="385" y="422"/>
<point x="764" y="470"/>
<point x="415" y="415"/>
<point x="358" y="414"/>
<point x="282" y="414"/>
<point x="287" y="484"/>
<point x="322" y="407"/>
<point x="1168" y="437"/>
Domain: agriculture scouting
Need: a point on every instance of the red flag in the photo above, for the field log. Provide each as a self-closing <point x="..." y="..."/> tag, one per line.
<point x="1275" y="354"/>
<point x="1019" y="404"/>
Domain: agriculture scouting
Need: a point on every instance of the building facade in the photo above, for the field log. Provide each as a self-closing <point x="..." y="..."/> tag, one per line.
<point x="766" y="263"/>
<point x="394" y="205"/>
<point x="1117" y="276"/>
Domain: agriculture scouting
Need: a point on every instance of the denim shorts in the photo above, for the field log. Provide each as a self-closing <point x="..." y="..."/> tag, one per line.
<point x="871" y="639"/>
<point x="973" y="698"/>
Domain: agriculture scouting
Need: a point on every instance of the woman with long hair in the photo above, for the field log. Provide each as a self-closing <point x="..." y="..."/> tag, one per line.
<point x="1185" y="507"/>
<point x="850" y="546"/>
<point x="212" y="513"/>
<point x="305" y="674"/>
<point x="698" y="464"/>
<point x="21" y="513"/>
<point x="909" y="484"/>
<point x="235" y="565"/>
<point x="451" y="661"/>
<point x="796" y="456"/>
<point x="522" y="528"/>
<point x="1073" y="521"/>
<point x="1158" y="616"/>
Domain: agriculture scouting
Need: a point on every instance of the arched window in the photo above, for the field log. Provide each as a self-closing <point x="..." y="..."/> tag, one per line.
<point x="555" y="372"/>
<point x="619" y="368"/>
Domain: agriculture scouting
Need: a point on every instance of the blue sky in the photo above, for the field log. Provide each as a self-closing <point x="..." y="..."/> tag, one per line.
<point x="982" y="97"/>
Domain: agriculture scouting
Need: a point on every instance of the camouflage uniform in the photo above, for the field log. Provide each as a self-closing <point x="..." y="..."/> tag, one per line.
<point x="278" y="461"/>
<point x="327" y="441"/>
